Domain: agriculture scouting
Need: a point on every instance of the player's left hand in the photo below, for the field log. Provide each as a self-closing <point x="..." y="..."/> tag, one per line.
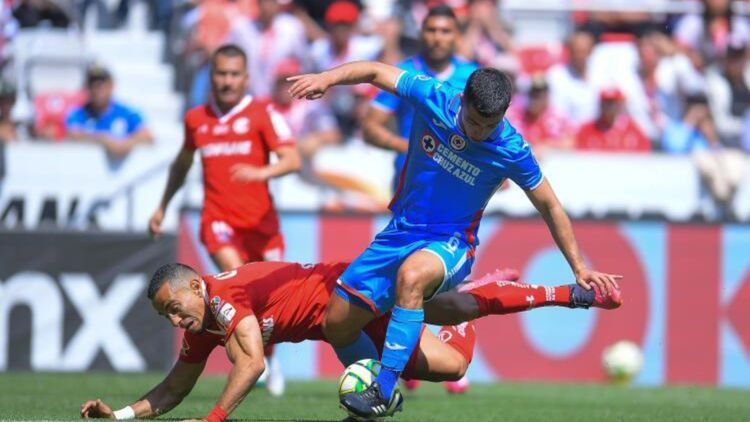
<point x="248" y="173"/>
<point x="311" y="86"/>
<point x="96" y="409"/>
<point x="606" y="282"/>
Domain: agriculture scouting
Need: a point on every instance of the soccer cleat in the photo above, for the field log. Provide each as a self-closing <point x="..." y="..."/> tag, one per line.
<point x="457" y="387"/>
<point x="370" y="404"/>
<point x="582" y="298"/>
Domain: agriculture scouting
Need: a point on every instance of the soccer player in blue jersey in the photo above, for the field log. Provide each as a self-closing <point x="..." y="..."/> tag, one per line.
<point x="439" y="37"/>
<point x="461" y="149"/>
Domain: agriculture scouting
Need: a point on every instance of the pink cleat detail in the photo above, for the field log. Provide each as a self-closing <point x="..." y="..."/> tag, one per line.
<point x="611" y="301"/>
<point x="457" y="387"/>
<point x="412" y="385"/>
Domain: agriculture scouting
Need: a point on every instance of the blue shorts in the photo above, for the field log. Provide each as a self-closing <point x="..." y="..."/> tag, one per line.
<point x="371" y="278"/>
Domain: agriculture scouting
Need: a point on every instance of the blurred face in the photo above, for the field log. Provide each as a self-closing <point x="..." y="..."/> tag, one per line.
<point x="268" y="9"/>
<point x="475" y="126"/>
<point x="735" y="67"/>
<point x="648" y="53"/>
<point x="341" y="33"/>
<point x="538" y="101"/>
<point x="100" y="93"/>
<point x="439" y="36"/>
<point x="717" y="7"/>
<point x="609" y="110"/>
<point x="183" y="307"/>
<point x="281" y="91"/>
<point x="579" y="50"/>
<point x="228" y="80"/>
<point x="6" y="105"/>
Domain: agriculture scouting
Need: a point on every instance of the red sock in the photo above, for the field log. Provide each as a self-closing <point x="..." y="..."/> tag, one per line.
<point x="507" y="297"/>
<point x="460" y="337"/>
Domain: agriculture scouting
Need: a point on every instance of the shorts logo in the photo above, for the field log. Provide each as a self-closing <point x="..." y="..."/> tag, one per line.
<point x="226" y="314"/>
<point x="215" y="304"/>
<point x="241" y="125"/>
<point x="421" y="77"/>
<point x="445" y="336"/>
<point x="429" y="144"/>
<point x="222" y="231"/>
<point x="458" y="143"/>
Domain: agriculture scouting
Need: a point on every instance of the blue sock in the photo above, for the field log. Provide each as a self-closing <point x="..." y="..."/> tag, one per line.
<point x="400" y="341"/>
<point x="362" y="348"/>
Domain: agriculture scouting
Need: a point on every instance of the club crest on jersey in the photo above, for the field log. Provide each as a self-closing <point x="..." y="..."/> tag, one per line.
<point x="221" y="130"/>
<point x="458" y="143"/>
<point x="241" y="125"/>
<point x="215" y="304"/>
<point x="225" y="314"/>
<point x="428" y="144"/>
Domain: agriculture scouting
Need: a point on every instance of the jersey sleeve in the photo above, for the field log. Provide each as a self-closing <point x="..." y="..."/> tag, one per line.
<point x="524" y="170"/>
<point x="276" y="131"/>
<point x="74" y="120"/>
<point x="386" y="102"/>
<point x="135" y="121"/>
<point x="196" y="348"/>
<point x="230" y="312"/>
<point x="421" y="91"/>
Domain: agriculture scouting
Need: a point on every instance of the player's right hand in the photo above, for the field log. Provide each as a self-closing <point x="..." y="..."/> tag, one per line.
<point x="96" y="409"/>
<point x="311" y="86"/>
<point x="154" y="225"/>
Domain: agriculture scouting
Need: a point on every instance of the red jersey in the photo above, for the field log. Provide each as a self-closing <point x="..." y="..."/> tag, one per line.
<point x="245" y="134"/>
<point x="288" y="299"/>
<point x="623" y="136"/>
<point x="549" y="129"/>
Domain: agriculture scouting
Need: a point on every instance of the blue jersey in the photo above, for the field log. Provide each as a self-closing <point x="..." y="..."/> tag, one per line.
<point x="457" y="76"/>
<point x="448" y="179"/>
<point x="118" y="121"/>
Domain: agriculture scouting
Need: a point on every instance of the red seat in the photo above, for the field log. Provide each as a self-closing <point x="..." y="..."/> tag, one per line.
<point x="51" y="109"/>
<point x="537" y="58"/>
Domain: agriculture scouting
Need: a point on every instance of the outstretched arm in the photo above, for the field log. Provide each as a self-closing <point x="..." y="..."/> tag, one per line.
<point x="313" y="85"/>
<point x="245" y="350"/>
<point x="177" y="172"/>
<point x="161" y="399"/>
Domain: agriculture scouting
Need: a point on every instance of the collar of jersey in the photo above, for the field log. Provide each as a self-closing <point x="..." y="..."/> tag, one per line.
<point x="421" y="66"/>
<point x="223" y="118"/>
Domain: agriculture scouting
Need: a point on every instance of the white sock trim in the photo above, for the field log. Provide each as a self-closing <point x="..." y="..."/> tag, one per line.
<point x="126" y="412"/>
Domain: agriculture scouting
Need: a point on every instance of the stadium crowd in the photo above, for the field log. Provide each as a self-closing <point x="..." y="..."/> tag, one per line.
<point x="630" y="82"/>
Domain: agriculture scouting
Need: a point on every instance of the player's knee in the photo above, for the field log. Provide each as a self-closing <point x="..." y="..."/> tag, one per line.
<point x="412" y="279"/>
<point x="338" y="332"/>
<point x="458" y="368"/>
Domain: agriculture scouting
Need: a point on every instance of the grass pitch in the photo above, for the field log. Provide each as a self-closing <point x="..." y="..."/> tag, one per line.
<point x="58" y="397"/>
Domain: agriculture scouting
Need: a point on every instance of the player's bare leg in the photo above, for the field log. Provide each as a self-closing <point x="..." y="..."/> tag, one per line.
<point x="227" y="258"/>
<point x="342" y="327"/>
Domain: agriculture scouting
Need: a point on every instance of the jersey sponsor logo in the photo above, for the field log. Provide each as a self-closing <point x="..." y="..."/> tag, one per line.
<point x="428" y="144"/>
<point x="458" y="143"/>
<point x="225" y="149"/>
<point x="455" y="165"/>
<point x="394" y="346"/>
<point x="267" y="329"/>
<point x="241" y="126"/>
<point x="226" y="314"/>
<point x="203" y="128"/>
<point x="439" y="124"/>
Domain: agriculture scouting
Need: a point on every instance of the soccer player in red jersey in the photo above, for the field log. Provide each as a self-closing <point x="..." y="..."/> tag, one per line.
<point x="266" y="303"/>
<point x="235" y="134"/>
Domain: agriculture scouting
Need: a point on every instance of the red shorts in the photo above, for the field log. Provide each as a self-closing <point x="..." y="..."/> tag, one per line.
<point x="376" y="330"/>
<point x="250" y="243"/>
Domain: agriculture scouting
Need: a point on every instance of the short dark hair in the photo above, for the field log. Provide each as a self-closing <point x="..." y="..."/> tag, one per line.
<point x="229" y="50"/>
<point x="488" y="91"/>
<point x="168" y="273"/>
<point x="443" y="11"/>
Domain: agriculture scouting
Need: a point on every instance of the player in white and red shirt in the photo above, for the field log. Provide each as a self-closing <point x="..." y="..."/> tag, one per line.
<point x="264" y="303"/>
<point x="235" y="135"/>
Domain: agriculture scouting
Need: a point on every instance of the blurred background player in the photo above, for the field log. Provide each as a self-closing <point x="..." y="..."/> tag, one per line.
<point x="235" y="134"/>
<point x="439" y="38"/>
<point x="259" y="304"/>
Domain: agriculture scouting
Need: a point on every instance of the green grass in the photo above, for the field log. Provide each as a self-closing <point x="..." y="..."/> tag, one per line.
<point x="58" y="396"/>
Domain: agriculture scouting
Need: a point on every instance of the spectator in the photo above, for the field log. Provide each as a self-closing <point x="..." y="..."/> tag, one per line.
<point x="545" y="128"/>
<point x="486" y="38"/>
<point x="31" y="13"/>
<point x="104" y="121"/>
<point x="343" y="45"/>
<point x="572" y="90"/>
<point x="439" y="36"/>
<point x="694" y="131"/>
<point x="8" y="132"/>
<point x="613" y="130"/>
<point x="705" y="37"/>
<point x="270" y="38"/>
<point x="728" y="94"/>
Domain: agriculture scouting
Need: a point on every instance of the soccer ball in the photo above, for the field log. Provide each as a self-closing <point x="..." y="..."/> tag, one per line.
<point x="622" y="361"/>
<point x="359" y="375"/>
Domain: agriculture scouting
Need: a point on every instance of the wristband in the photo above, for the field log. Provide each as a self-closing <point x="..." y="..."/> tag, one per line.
<point x="126" y="412"/>
<point x="217" y="415"/>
